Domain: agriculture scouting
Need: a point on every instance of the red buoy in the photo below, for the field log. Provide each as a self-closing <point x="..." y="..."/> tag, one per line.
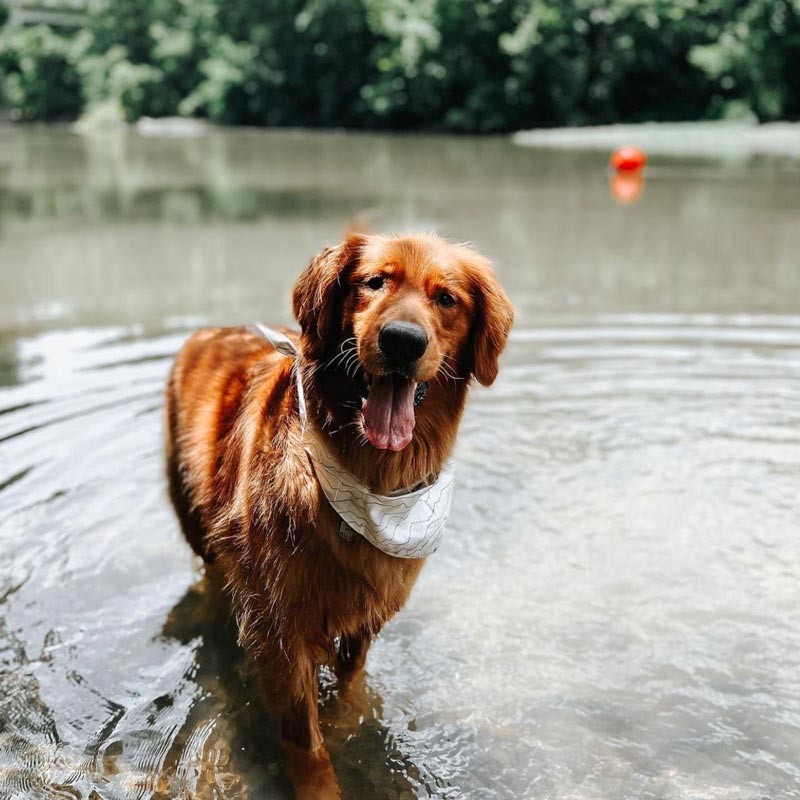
<point x="628" y="159"/>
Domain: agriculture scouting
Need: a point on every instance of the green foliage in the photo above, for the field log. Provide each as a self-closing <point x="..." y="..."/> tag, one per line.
<point x="40" y="76"/>
<point x="111" y="81"/>
<point x="227" y="80"/>
<point x="756" y="58"/>
<point x="310" y="59"/>
<point x="163" y="42"/>
<point x="464" y="65"/>
<point x="605" y="62"/>
<point x="440" y="63"/>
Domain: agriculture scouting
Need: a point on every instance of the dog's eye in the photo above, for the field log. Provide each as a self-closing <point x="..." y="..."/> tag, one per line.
<point x="375" y="283"/>
<point x="446" y="300"/>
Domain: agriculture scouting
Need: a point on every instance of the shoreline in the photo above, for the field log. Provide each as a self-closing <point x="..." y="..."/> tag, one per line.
<point x="723" y="139"/>
<point x="717" y="139"/>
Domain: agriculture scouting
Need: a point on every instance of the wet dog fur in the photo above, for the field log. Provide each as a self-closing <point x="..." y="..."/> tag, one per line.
<point x="242" y="484"/>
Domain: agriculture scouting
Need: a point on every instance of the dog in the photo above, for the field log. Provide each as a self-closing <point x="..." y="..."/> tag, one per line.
<point x="392" y="330"/>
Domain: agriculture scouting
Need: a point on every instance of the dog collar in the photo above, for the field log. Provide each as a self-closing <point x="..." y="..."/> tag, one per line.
<point x="405" y="524"/>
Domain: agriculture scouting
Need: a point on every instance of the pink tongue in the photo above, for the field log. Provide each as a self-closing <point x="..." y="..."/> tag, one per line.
<point x="389" y="413"/>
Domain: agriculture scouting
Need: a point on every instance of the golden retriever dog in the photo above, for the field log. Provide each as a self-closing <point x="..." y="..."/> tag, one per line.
<point x="392" y="330"/>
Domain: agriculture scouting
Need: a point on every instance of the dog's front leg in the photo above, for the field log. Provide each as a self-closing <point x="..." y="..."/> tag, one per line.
<point x="307" y="760"/>
<point x="351" y="657"/>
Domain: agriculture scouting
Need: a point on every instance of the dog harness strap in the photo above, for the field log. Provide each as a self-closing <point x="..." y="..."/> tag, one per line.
<point x="407" y="525"/>
<point x="284" y="345"/>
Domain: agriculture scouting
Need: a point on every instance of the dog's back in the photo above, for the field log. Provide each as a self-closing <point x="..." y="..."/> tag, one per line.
<point x="205" y="392"/>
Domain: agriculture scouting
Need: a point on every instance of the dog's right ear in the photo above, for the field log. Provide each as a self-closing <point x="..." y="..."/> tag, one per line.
<point x="318" y="293"/>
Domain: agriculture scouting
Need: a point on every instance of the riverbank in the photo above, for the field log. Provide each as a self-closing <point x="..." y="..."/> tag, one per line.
<point x="690" y="139"/>
<point x="718" y="139"/>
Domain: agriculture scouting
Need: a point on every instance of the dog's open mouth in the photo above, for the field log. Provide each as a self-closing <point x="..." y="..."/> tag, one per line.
<point x="388" y="408"/>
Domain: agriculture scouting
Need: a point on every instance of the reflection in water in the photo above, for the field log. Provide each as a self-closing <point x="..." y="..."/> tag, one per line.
<point x="614" y="611"/>
<point x="222" y="223"/>
<point x="190" y="204"/>
<point x="626" y="187"/>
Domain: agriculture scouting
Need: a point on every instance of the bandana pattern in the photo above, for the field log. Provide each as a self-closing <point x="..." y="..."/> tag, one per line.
<point x="403" y="525"/>
<point x="408" y="525"/>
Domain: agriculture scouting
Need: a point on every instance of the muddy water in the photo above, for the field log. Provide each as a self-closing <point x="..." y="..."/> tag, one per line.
<point x="614" y="612"/>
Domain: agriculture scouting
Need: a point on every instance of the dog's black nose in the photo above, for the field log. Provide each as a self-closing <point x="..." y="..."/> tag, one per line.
<point x="402" y="342"/>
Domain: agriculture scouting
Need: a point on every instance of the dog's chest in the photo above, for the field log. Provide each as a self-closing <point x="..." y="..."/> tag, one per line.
<point x="359" y="587"/>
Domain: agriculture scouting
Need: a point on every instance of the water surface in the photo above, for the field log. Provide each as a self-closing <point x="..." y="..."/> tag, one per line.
<point x="614" y="612"/>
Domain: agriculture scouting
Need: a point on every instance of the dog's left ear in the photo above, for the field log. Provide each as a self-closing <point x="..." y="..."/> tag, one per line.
<point x="494" y="316"/>
<point x="318" y="292"/>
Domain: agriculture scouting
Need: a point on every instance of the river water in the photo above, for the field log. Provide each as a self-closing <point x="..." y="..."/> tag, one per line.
<point x="614" y="612"/>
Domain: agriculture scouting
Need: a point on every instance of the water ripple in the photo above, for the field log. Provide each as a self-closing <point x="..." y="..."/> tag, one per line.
<point x="616" y="600"/>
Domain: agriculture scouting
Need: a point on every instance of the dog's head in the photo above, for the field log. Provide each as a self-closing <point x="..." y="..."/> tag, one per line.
<point x="396" y="313"/>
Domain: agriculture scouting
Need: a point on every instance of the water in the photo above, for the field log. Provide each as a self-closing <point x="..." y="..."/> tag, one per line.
<point x="614" y="613"/>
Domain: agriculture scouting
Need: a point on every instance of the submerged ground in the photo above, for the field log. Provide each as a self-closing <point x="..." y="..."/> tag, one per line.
<point x="614" y="612"/>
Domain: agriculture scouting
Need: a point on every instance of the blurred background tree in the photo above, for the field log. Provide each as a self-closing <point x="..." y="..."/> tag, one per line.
<point x="462" y="65"/>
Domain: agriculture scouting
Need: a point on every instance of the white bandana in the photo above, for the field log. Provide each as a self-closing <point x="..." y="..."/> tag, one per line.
<point x="404" y="525"/>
